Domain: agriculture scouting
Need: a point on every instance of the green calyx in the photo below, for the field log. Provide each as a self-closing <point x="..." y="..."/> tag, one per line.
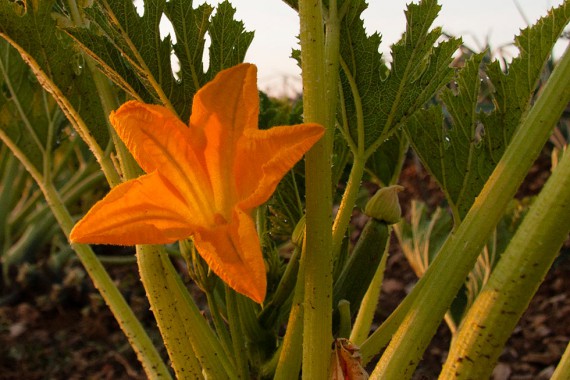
<point x="384" y="205"/>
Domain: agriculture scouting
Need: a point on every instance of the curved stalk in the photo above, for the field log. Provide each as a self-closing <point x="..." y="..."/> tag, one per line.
<point x="514" y="281"/>
<point x="365" y="316"/>
<point x="290" y="357"/>
<point x="347" y="203"/>
<point x="138" y="338"/>
<point x="458" y="254"/>
<point x="562" y="371"/>
<point x="73" y="116"/>
<point x="353" y="185"/>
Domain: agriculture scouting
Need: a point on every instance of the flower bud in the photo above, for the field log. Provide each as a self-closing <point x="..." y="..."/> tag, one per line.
<point x="384" y="205"/>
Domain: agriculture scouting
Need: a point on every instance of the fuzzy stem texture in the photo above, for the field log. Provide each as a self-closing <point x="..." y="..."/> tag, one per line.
<point x="514" y="281"/>
<point x="317" y="320"/>
<point x="458" y="254"/>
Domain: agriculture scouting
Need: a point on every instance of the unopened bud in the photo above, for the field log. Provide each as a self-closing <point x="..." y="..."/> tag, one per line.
<point x="384" y="205"/>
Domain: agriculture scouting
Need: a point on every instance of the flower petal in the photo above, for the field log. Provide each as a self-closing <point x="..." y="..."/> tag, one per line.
<point x="265" y="156"/>
<point x="160" y="141"/>
<point x="233" y="252"/>
<point x="146" y="210"/>
<point x="221" y="111"/>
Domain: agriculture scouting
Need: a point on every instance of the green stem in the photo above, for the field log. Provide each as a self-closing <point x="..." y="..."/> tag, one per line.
<point x="318" y="261"/>
<point x="165" y="307"/>
<point x="238" y="338"/>
<point x="381" y="337"/>
<point x="290" y="357"/>
<point x="563" y="369"/>
<point x="365" y="316"/>
<point x="514" y="281"/>
<point x="347" y="203"/>
<point x="457" y="256"/>
<point x="219" y="325"/>
<point x="353" y="185"/>
<point x="344" y="317"/>
<point x="129" y="167"/>
<point x="204" y="342"/>
<point x="146" y="352"/>
<point x="186" y="334"/>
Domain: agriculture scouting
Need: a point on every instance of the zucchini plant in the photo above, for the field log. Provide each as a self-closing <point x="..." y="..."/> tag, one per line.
<point x="189" y="160"/>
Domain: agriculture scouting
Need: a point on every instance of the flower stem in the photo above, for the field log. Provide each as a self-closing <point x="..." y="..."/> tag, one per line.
<point x="191" y="343"/>
<point x="238" y="338"/>
<point x="446" y="274"/>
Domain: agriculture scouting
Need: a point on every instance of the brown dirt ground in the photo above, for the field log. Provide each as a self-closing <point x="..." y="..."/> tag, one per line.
<point x="63" y="330"/>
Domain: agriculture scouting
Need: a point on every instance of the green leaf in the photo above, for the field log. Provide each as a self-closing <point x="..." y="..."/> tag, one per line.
<point x="286" y="206"/>
<point x="230" y="41"/>
<point x="462" y="148"/>
<point x="129" y="50"/>
<point x="137" y="38"/>
<point x="23" y="118"/>
<point x="190" y="26"/>
<point x="457" y="157"/>
<point x="385" y="163"/>
<point x="387" y="99"/>
<point x="33" y="32"/>
<point x="515" y="89"/>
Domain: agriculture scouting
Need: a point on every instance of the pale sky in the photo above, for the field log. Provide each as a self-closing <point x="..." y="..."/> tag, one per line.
<point x="276" y="27"/>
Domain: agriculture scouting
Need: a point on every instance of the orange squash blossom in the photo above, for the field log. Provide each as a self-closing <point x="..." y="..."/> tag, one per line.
<point x="203" y="180"/>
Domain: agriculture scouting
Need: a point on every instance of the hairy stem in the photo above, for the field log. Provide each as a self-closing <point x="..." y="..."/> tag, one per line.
<point x="514" y="281"/>
<point x="458" y="254"/>
<point x="148" y="355"/>
<point x="318" y="261"/>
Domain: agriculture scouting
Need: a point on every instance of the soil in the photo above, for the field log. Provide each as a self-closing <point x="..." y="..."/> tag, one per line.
<point x="61" y="329"/>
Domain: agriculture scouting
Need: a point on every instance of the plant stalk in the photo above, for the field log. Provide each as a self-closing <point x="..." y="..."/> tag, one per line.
<point x="238" y="338"/>
<point x="365" y="316"/>
<point x="347" y="203"/>
<point x="514" y="281"/>
<point x="191" y="344"/>
<point x="318" y="260"/>
<point x="562" y="371"/>
<point x="138" y="338"/>
<point x="457" y="256"/>
<point x="290" y="358"/>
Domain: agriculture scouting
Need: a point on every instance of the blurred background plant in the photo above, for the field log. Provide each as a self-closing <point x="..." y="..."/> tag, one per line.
<point x="33" y="249"/>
